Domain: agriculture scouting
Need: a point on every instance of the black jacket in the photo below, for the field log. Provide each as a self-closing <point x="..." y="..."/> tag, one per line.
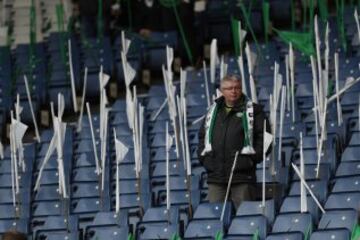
<point x="227" y="138"/>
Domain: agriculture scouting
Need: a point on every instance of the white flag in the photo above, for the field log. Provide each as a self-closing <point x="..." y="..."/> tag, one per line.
<point x="125" y="43"/>
<point x="120" y="148"/>
<point x="214" y="60"/>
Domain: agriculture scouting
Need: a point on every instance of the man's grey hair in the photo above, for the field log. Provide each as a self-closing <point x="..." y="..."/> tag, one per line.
<point x="230" y="78"/>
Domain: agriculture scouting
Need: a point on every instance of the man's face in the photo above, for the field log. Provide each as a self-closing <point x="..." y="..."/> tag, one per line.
<point x="231" y="91"/>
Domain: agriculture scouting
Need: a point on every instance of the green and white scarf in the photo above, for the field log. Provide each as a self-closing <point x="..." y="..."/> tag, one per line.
<point x="248" y="125"/>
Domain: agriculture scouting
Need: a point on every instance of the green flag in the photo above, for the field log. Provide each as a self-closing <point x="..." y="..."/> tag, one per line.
<point x="61" y="29"/>
<point x="292" y="9"/>
<point x="173" y="4"/>
<point x="323" y="10"/>
<point x="131" y="237"/>
<point x="301" y="41"/>
<point x="175" y="236"/>
<point x="248" y="24"/>
<point x="235" y="33"/>
<point x="356" y="233"/>
<point x="266" y="18"/>
<point x="255" y="235"/>
<point x="340" y="22"/>
<point x="219" y="235"/>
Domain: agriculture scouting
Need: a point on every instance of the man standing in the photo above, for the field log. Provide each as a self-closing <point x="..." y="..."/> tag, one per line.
<point x="232" y="124"/>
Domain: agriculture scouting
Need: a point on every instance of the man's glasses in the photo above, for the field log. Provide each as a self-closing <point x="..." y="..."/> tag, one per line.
<point x="232" y="88"/>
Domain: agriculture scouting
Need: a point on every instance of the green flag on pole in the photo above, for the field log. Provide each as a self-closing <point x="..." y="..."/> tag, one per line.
<point x="255" y="235"/>
<point x="61" y="29"/>
<point x="131" y="237"/>
<point x="340" y="22"/>
<point x="323" y="10"/>
<point x="266" y="18"/>
<point x="219" y="235"/>
<point x="235" y="33"/>
<point x="173" y="4"/>
<point x="292" y="9"/>
<point x="356" y="233"/>
<point x="248" y="24"/>
<point x="175" y="236"/>
<point x="311" y="19"/>
<point x="301" y="41"/>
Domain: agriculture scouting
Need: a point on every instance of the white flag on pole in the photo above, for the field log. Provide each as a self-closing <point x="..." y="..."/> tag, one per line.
<point x="356" y="16"/>
<point x="297" y="171"/>
<point x="214" y="59"/>
<point x="72" y="77"/>
<point x="82" y="101"/>
<point x="121" y="150"/>
<point x="125" y="43"/>
<point x="31" y="108"/>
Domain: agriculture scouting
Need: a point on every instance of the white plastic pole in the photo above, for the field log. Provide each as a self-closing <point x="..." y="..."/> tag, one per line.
<point x="307" y="187"/>
<point x="72" y="78"/>
<point x="98" y="170"/>
<point x="82" y="101"/>
<point x="31" y="109"/>
<point x="228" y="186"/>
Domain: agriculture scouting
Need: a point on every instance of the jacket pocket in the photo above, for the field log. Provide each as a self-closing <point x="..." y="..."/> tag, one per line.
<point x="244" y="162"/>
<point x="208" y="162"/>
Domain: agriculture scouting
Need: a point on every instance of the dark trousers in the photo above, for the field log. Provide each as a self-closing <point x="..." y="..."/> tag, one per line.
<point x="238" y="193"/>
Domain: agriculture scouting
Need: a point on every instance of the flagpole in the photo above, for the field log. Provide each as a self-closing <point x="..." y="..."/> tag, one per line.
<point x="167" y="143"/>
<point x="338" y="106"/>
<point x="292" y="80"/>
<point x="242" y="73"/>
<point x="263" y="170"/>
<point x="307" y="187"/>
<point x="228" y="186"/>
<point x="72" y="78"/>
<point x="303" y="198"/>
<point x="187" y="157"/>
<point x="32" y="109"/>
<point x="288" y="106"/>
<point x="207" y="92"/>
<point x="282" y="111"/>
<point x="213" y="60"/>
<point x="82" y="101"/>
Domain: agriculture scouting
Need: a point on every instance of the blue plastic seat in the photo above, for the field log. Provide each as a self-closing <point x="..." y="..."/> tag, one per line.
<point x="286" y="236"/>
<point x="248" y="226"/>
<point x="109" y="233"/>
<point x="336" y="219"/>
<point x="293" y="222"/>
<point x="318" y="187"/>
<point x="310" y="172"/>
<point x="350" y="184"/>
<point x="351" y="154"/>
<point x="348" y="169"/>
<point x="200" y="229"/>
<point x="206" y="211"/>
<point x="19" y="224"/>
<point x="343" y="200"/>
<point x="54" y="223"/>
<point x="149" y="231"/>
<point x="292" y="205"/>
<point x="249" y="208"/>
<point x="338" y="234"/>
<point x="89" y="206"/>
<point x="46" y="208"/>
<point x="58" y="235"/>
<point x="84" y="174"/>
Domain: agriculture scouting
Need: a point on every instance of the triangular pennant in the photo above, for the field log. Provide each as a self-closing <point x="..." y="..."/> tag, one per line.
<point x="301" y="41"/>
<point x="121" y="150"/>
